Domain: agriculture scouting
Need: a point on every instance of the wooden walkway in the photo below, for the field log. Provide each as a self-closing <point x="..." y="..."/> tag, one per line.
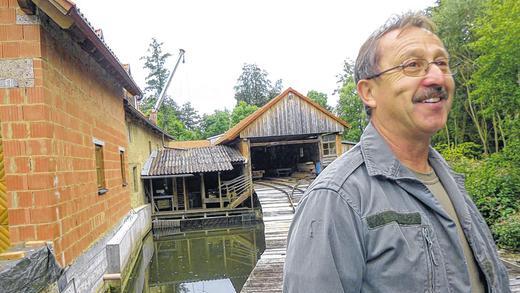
<point x="278" y="214"/>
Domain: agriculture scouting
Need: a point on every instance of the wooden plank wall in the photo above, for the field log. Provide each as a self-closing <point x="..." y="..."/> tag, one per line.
<point x="291" y="115"/>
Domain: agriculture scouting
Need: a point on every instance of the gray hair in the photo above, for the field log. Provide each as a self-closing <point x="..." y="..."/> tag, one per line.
<point x="368" y="56"/>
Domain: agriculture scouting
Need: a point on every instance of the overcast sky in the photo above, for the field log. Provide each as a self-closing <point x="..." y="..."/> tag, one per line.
<point x="301" y="42"/>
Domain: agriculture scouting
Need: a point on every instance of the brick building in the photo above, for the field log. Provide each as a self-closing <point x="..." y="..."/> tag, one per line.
<point x="63" y="130"/>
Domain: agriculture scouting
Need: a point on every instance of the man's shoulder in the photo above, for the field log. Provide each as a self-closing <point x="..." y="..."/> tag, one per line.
<point x="339" y="171"/>
<point x="346" y="176"/>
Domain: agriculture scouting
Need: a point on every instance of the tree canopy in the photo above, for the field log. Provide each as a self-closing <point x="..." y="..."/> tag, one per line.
<point x="254" y="86"/>
<point x="241" y="111"/>
<point x="154" y="63"/>
<point x="320" y="98"/>
<point x="349" y="107"/>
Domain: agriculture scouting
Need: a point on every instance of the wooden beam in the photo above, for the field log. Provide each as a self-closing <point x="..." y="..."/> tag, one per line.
<point x="275" y="143"/>
<point x="202" y="191"/>
<point x="151" y="196"/>
<point x="339" y="147"/>
<point x="185" y="193"/>
<point x="27" y="7"/>
<point x="175" y="194"/>
<point x="220" y="192"/>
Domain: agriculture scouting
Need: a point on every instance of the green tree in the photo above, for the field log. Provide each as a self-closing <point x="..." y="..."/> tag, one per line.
<point x="216" y="123"/>
<point x="168" y="121"/>
<point x="189" y="116"/>
<point x="154" y="63"/>
<point x="497" y="77"/>
<point x="241" y="111"/>
<point x="456" y="20"/>
<point x="320" y="98"/>
<point x="254" y="87"/>
<point x="349" y="107"/>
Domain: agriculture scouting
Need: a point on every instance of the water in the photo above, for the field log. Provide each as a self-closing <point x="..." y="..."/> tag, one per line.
<point x="209" y="261"/>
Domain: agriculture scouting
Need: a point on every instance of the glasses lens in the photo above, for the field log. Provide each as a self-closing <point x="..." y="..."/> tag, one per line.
<point x="419" y="67"/>
<point x="415" y="67"/>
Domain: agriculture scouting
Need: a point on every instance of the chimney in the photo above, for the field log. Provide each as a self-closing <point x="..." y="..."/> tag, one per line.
<point x="153" y="117"/>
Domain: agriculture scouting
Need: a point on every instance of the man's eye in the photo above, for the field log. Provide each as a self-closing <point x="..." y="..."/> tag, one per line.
<point x="412" y="64"/>
<point x="443" y="63"/>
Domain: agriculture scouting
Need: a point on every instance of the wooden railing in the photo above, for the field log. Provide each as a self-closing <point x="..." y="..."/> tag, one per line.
<point x="237" y="190"/>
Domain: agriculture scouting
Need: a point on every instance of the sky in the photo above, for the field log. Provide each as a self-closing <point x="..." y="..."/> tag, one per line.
<point x="303" y="42"/>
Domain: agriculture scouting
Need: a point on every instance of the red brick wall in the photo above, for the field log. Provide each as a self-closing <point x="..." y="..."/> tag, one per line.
<point x="48" y="133"/>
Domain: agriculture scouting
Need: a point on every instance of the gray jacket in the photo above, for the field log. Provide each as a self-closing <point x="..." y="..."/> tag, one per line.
<point x="366" y="224"/>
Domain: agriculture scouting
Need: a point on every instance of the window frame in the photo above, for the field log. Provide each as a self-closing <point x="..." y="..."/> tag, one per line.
<point x="100" y="166"/>
<point x="122" y="161"/>
<point x="328" y="143"/>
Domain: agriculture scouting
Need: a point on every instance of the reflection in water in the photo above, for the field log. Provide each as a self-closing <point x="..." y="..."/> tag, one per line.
<point x="211" y="261"/>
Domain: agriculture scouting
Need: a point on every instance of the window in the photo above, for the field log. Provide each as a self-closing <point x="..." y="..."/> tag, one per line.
<point x="329" y="145"/>
<point x="149" y="147"/>
<point x="122" y="161"/>
<point x="100" y="168"/>
<point x="134" y="175"/>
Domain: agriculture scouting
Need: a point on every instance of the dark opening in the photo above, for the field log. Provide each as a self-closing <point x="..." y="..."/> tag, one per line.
<point x="282" y="160"/>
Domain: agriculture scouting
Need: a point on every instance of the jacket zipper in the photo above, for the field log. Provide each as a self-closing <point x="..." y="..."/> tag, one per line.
<point x="432" y="261"/>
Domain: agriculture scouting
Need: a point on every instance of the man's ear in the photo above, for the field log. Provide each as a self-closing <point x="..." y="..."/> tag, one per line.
<point x="365" y="90"/>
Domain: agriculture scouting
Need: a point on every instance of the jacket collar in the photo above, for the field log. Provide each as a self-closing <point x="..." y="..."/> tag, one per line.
<point x="380" y="160"/>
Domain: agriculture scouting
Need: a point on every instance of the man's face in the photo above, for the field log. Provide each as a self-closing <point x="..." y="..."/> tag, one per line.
<point x="410" y="106"/>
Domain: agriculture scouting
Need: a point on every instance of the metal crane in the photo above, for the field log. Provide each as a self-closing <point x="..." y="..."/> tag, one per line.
<point x="155" y="109"/>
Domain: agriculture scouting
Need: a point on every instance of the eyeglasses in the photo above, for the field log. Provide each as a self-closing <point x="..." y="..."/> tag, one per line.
<point x="419" y="67"/>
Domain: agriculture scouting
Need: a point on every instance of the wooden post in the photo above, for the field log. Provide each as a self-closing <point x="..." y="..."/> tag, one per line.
<point x="175" y="194"/>
<point x="220" y="192"/>
<point x="151" y="196"/>
<point x="202" y="191"/>
<point x="185" y="193"/>
<point x="339" y="148"/>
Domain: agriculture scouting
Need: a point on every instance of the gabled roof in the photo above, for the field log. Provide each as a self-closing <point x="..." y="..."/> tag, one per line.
<point x="234" y="132"/>
<point x="68" y="17"/>
<point x="169" y="162"/>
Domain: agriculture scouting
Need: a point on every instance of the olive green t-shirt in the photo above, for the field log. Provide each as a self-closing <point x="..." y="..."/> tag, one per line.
<point x="435" y="186"/>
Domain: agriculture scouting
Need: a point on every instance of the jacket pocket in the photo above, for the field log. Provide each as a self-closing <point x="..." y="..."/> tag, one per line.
<point x="431" y="259"/>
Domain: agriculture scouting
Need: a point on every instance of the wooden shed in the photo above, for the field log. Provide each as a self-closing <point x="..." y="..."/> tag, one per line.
<point x="196" y="181"/>
<point x="290" y="133"/>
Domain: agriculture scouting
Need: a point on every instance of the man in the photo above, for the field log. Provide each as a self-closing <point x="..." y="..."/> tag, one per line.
<point x="390" y="215"/>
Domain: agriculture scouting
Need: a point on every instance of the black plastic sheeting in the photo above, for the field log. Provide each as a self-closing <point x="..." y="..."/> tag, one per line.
<point x="33" y="273"/>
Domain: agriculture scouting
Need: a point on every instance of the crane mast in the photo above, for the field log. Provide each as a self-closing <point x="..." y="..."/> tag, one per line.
<point x="158" y="103"/>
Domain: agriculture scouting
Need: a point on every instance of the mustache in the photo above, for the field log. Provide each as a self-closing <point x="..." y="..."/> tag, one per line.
<point x="431" y="92"/>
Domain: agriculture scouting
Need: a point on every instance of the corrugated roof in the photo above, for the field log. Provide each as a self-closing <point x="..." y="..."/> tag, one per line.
<point x="196" y="160"/>
<point x="234" y="132"/>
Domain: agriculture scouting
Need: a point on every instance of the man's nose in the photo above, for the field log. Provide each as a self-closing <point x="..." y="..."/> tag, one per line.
<point x="434" y="75"/>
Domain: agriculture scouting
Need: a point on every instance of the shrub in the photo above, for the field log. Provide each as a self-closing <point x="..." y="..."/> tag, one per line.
<point x="507" y="232"/>
<point x="494" y="184"/>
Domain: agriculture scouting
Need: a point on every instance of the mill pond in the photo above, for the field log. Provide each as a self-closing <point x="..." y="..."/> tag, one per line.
<point x="210" y="261"/>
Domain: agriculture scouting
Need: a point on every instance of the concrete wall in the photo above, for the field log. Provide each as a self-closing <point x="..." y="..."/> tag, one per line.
<point x="114" y="253"/>
<point x="140" y="139"/>
<point x="55" y="99"/>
